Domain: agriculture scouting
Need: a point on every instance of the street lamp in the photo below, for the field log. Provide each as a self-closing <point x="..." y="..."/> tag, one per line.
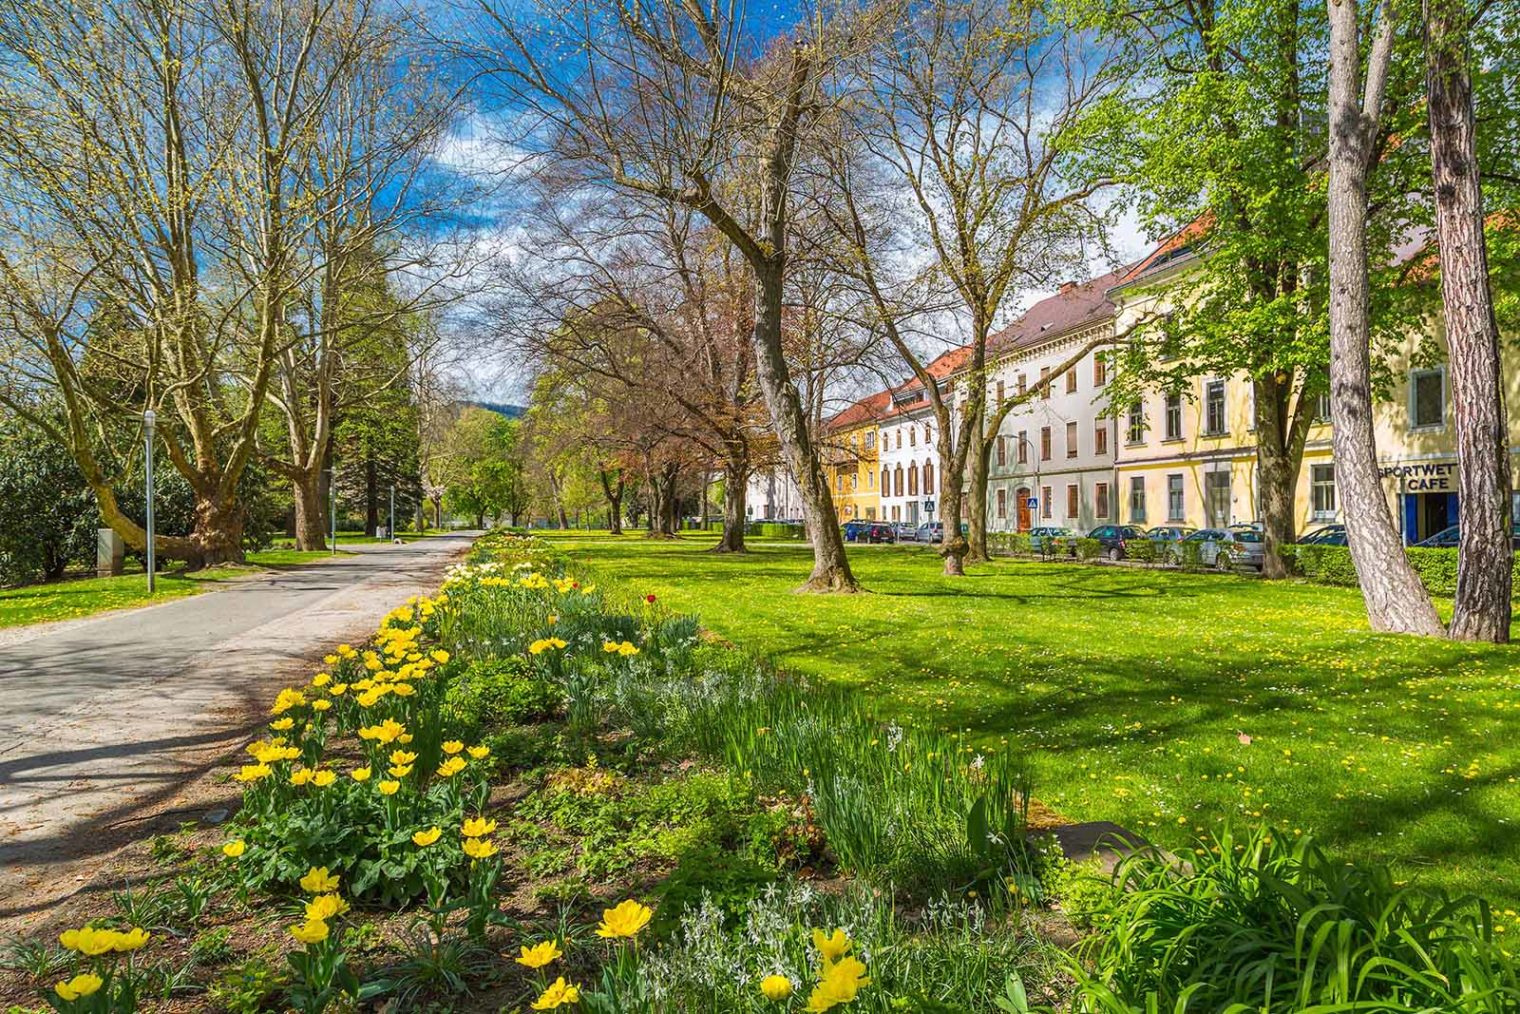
<point x="392" y="530"/>
<point x="332" y="506"/>
<point x="149" y="419"/>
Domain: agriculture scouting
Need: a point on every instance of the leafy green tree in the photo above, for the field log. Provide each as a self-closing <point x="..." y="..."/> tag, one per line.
<point x="48" y="515"/>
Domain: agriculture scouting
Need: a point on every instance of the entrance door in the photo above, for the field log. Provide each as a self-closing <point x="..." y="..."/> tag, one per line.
<point x="1022" y="496"/>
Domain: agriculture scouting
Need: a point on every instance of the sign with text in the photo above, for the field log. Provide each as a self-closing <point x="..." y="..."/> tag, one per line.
<point x="1424" y="477"/>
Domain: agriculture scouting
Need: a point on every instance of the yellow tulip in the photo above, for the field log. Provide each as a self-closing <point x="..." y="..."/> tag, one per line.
<point x="319" y="881"/>
<point x="321" y="679"/>
<point x="322" y="779"/>
<point x="452" y="747"/>
<point x="252" y="773"/>
<point x="321" y="705"/>
<point x="833" y="946"/>
<point x="479" y="848"/>
<point x="282" y="724"/>
<point x="451" y="767"/>
<point x="477" y="827"/>
<point x="233" y="849"/>
<point x="428" y="837"/>
<point x="360" y="774"/>
<point x="80" y="985"/>
<point x="557" y="995"/>
<point x="389" y="788"/>
<point x="776" y="987"/>
<point x="311" y="932"/>
<point x="624" y="921"/>
<point x="324" y="907"/>
<point x="89" y="941"/>
<point x="402" y="757"/>
<point x="400" y="770"/>
<point x="479" y="752"/>
<point x="539" y="955"/>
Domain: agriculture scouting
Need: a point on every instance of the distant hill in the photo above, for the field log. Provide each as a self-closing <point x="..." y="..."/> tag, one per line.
<point x="510" y="411"/>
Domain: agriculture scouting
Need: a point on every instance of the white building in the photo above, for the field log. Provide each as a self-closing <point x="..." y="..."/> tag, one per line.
<point x="909" y="448"/>
<point x="772" y="495"/>
<point x="1053" y="460"/>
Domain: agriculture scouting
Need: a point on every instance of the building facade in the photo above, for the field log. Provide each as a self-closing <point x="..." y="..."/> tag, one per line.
<point x="772" y="495"/>
<point x="851" y="457"/>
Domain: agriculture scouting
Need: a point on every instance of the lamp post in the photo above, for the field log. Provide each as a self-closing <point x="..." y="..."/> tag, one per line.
<point x="149" y="419"/>
<point x="392" y="530"/>
<point x="332" y="506"/>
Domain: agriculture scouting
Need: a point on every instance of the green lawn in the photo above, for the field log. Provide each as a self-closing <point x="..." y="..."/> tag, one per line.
<point x="69" y="600"/>
<point x="1164" y="701"/>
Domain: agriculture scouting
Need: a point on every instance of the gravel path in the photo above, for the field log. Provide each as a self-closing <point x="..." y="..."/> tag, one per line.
<point x="108" y="724"/>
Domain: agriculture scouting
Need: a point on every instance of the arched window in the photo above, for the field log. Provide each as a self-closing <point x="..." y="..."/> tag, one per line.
<point x="928" y="479"/>
<point x="886" y="480"/>
<point x="928" y="435"/>
<point x="913" y="480"/>
<point x="897" y="478"/>
<point x="912" y="437"/>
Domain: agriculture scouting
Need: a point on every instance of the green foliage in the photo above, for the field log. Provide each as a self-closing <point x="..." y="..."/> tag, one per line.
<point x="213" y="946"/>
<point x="246" y="988"/>
<point x="1010" y="543"/>
<point x="773" y="530"/>
<point x="1088" y="549"/>
<point x="1269" y="922"/>
<point x="491" y="694"/>
<point x="1141" y="551"/>
<point x="722" y="878"/>
<point x="1436" y="568"/>
<point x="486" y="477"/>
<point x="47" y="512"/>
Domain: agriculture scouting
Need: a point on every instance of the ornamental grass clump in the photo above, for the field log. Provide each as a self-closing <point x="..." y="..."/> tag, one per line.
<point x="1271" y="922"/>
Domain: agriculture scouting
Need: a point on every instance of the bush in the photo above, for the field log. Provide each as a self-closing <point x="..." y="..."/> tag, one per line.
<point x="1141" y="550"/>
<point x="1010" y="543"/>
<point x="1436" y="568"/>
<point x="773" y="530"/>
<point x="1089" y="549"/>
<point x="1271" y="923"/>
<point x="1188" y="555"/>
<point x="500" y="692"/>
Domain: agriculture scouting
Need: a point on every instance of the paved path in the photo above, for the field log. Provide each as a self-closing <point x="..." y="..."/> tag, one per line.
<point x="105" y="723"/>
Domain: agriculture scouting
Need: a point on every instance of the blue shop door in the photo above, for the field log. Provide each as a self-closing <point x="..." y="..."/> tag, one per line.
<point x="1411" y="518"/>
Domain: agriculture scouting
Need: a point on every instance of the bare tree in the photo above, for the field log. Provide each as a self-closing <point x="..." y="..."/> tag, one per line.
<point x="676" y="103"/>
<point x="1396" y="601"/>
<point x="1485" y="553"/>
<point x="966" y="110"/>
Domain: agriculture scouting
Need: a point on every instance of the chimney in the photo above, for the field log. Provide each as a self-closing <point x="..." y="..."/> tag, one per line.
<point x="1067" y="287"/>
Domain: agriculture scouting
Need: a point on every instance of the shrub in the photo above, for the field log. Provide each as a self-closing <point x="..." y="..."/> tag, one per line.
<point x="1141" y="550"/>
<point x="496" y="693"/>
<point x="1436" y="568"/>
<point x="1010" y="543"/>
<point x="1089" y="549"/>
<point x="773" y="530"/>
<point x="1188" y="555"/>
<point x="1270" y="923"/>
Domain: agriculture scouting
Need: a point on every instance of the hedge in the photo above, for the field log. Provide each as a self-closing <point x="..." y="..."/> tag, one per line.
<point x="773" y="530"/>
<point x="1437" y="568"/>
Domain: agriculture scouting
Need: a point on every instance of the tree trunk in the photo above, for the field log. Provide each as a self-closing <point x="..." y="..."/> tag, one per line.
<point x="831" y="568"/>
<point x="311" y="518"/>
<point x="1280" y="434"/>
<point x="1485" y="555"/>
<point x="614" y="494"/>
<point x="952" y="467"/>
<point x="735" y="489"/>
<point x="981" y="463"/>
<point x="1395" y="599"/>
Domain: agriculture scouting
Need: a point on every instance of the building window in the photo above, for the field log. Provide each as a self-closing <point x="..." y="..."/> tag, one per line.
<point x="854" y="482"/>
<point x="1137" y="498"/>
<point x="1071" y="381"/>
<point x="1044" y="376"/>
<point x="1073" y="500"/>
<point x="1045" y="502"/>
<point x="913" y="480"/>
<point x="871" y="479"/>
<point x="928" y="435"/>
<point x="912" y="437"/>
<point x="1174" y="504"/>
<point x="1023" y="385"/>
<point x="1100" y="369"/>
<point x="897" y="481"/>
<point x="1100" y="500"/>
<point x="1322" y="407"/>
<point x="1427" y="399"/>
<point x="1100" y="437"/>
<point x="1000" y="393"/>
<point x="928" y="479"/>
<point x="1002" y="450"/>
<point x="1023" y="447"/>
<point x="886" y="481"/>
<point x="839" y="483"/>
<point x="1044" y="443"/>
<point x="1322" y="490"/>
<point x="1216" y="498"/>
<point x="1174" y="415"/>
<point x="870" y="513"/>
<point x="1213" y="408"/>
<point x="870" y="439"/>
<point x="1002" y="503"/>
<point x="1136" y="430"/>
<point x="1071" y="440"/>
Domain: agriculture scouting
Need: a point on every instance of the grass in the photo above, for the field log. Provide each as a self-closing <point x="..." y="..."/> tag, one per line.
<point x="1166" y="702"/>
<point x="73" y="599"/>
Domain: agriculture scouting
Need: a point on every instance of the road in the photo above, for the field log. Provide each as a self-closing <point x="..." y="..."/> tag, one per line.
<point x="107" y="721"/>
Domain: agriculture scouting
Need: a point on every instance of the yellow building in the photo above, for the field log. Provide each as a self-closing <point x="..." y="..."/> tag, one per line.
<point x="851" y="456"/>
<point x="1189" y="457"/>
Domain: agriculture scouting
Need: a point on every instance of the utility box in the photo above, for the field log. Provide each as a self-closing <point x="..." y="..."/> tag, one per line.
<point x="110" y="551"/>
<point x="382" y="532"/>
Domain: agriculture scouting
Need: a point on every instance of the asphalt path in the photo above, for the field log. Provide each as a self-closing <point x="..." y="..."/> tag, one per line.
<point x="104" y="721"/>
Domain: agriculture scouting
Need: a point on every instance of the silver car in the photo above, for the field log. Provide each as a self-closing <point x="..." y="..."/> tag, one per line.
<point x="1222" y="549"/>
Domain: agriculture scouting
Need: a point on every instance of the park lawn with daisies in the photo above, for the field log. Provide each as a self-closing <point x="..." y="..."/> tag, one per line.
<point x="1170" y="703"/>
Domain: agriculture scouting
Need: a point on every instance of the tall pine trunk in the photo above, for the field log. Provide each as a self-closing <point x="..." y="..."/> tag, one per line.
<point x="1485" y="554"/>
<point x="1395" y="599"/>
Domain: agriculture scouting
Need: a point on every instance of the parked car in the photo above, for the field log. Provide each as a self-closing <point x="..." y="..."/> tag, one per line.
<point x="1246" y="526"/>
<point x="1038" y="537"/>
<point x="853" y="530"/>
<point x="1223" y="548"/>
<point x="1449" y="538"/>
<point x="930" y="531"/>
<point x="1166" y="534"/>
<point x="878" y="531"/>
<point x="905" y="532"/>
<point x="1325" y="535"/>
<point x="1113" y="538"/>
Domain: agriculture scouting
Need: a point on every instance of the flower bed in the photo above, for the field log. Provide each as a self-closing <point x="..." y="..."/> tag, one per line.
<point x="529" y="792"/>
